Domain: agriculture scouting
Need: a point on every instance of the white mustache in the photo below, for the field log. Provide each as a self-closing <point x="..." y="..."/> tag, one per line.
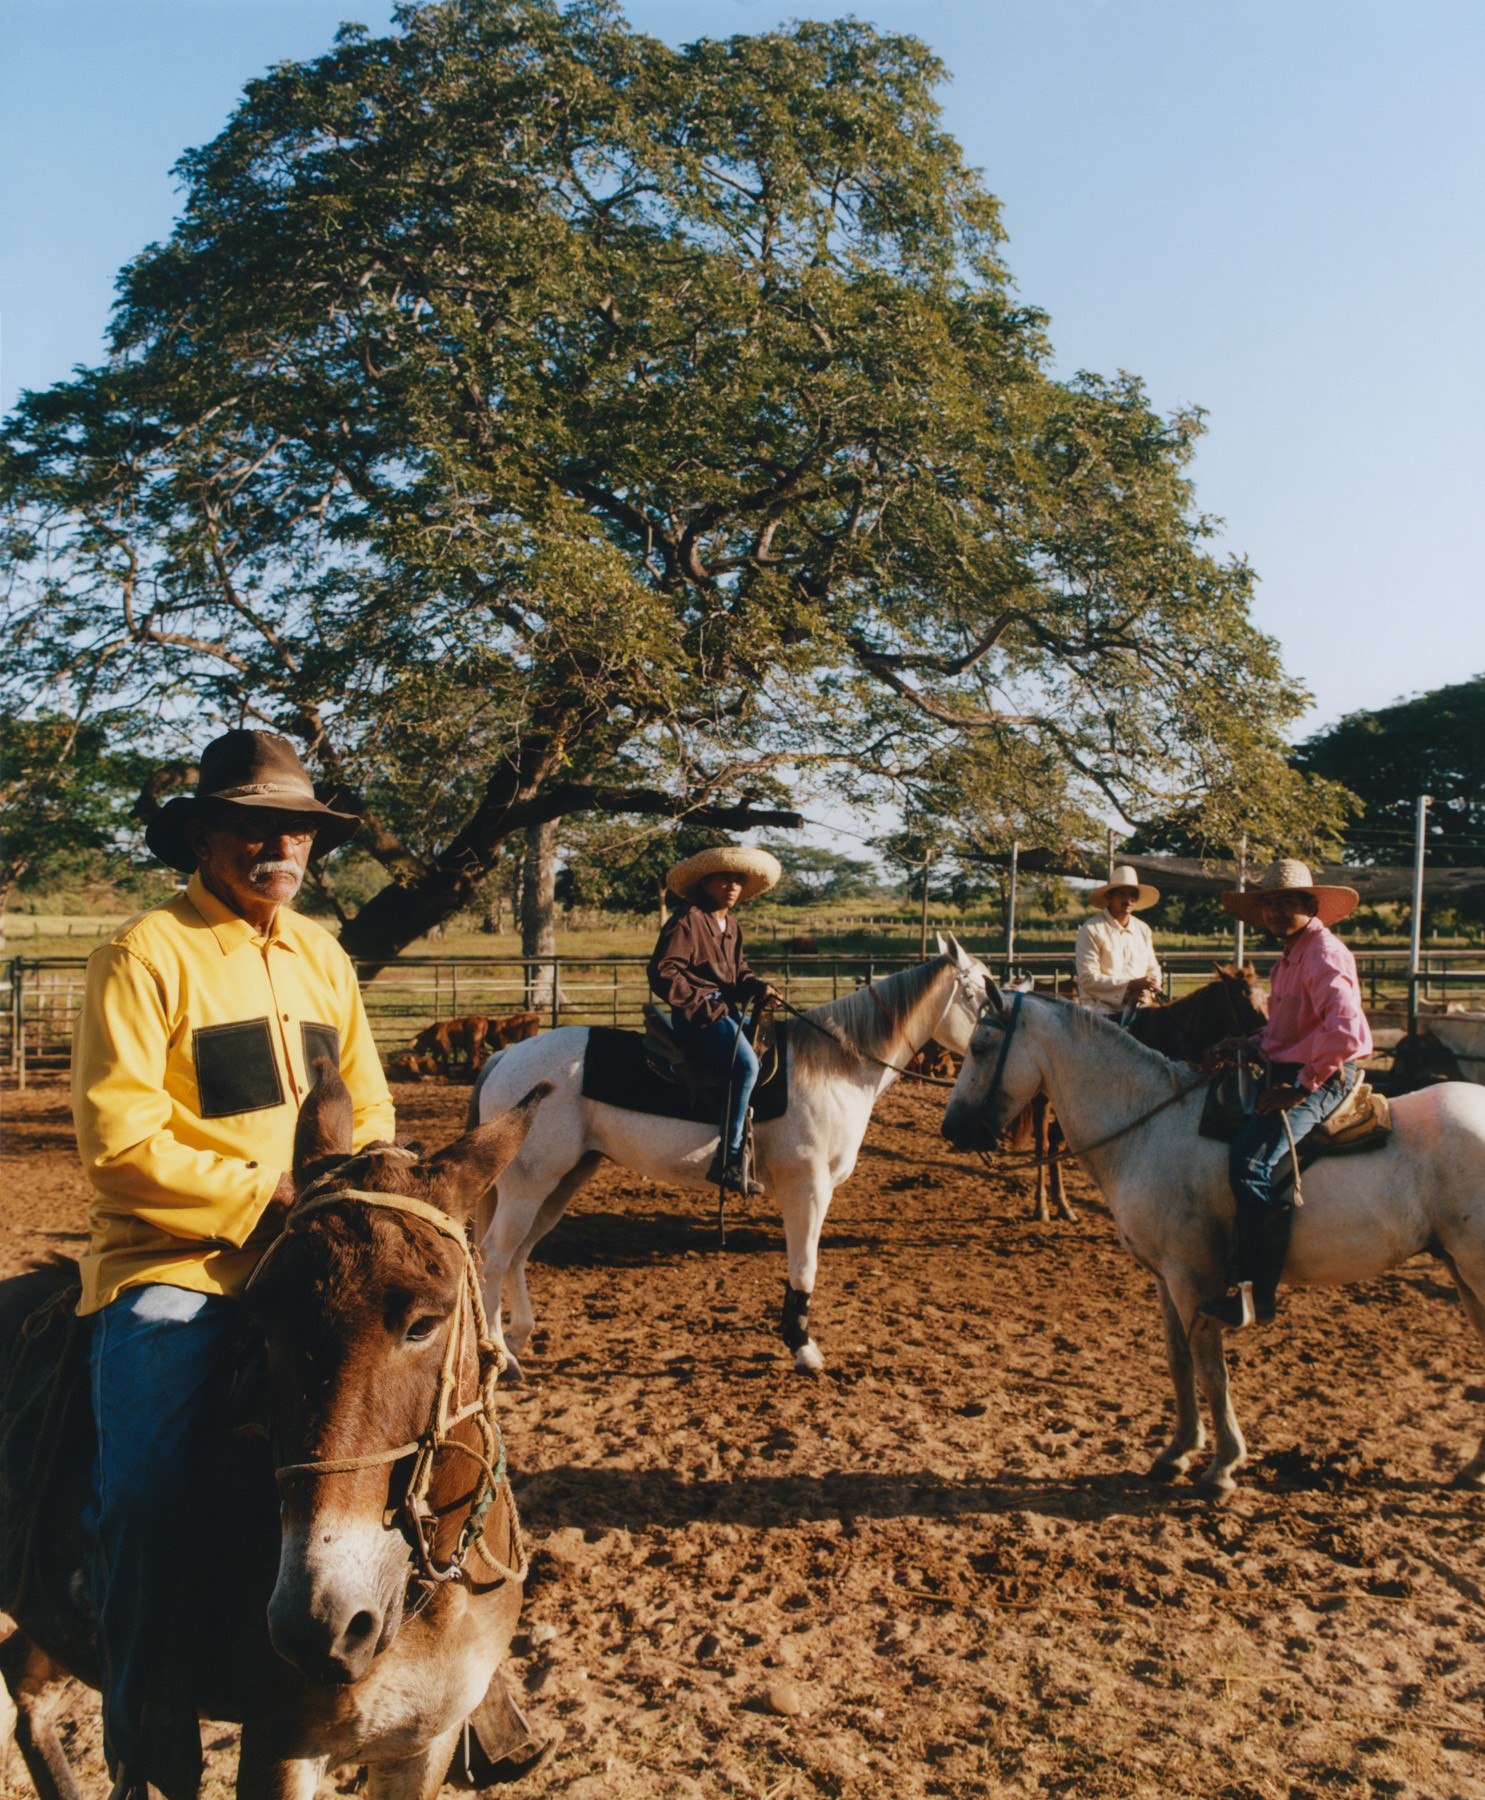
<point x="260" y="871"/>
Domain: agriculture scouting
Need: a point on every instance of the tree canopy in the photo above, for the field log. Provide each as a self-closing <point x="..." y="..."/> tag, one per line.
<point x="535" y="419"/>
<point x="1431" y="744"/>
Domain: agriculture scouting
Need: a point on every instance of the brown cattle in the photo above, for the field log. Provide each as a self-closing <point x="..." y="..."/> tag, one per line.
<point x="447" y="1039"/>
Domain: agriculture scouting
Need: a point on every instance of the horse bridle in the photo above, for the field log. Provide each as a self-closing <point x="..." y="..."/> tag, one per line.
<point x="991" y="1015"/>
<point x="418" y="1519"/>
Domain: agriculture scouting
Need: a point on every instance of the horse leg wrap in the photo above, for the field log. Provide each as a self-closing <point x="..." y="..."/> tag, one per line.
<point x="796" y="1325"/>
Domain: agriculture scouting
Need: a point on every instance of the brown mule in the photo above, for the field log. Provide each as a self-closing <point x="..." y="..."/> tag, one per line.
<point x="355" y="1565"/>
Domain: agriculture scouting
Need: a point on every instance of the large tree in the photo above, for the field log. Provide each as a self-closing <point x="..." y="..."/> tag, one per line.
<point x="1432" y="744"/>
<point x="537" y="419"/>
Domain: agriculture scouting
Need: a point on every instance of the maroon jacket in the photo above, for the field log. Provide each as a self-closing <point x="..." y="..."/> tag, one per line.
<point x="693" y="960"/>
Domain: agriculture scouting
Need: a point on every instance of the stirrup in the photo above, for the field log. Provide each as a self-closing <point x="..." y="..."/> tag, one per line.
<point x="1233" y="1309"/>
<point x="732" y="1174"/>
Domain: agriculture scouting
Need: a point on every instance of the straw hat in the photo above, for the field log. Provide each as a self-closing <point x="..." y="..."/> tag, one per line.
<point x="756" y="869"/>
<point x="1123" y="876"/>
<point x="253" y="769"/>
<point x="1286" y="876"/>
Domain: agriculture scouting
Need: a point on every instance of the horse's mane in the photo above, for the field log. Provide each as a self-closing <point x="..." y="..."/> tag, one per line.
<point x="1108" y="1034"/>
<point x="858" y="1023"/>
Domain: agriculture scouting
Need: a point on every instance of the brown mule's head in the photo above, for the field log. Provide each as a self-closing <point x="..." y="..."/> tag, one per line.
<point x="356" y="1304"/>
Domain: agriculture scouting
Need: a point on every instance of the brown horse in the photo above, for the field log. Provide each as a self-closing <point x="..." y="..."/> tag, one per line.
<point x="1233" y="1004"/>
<point x="354" y="1574"/>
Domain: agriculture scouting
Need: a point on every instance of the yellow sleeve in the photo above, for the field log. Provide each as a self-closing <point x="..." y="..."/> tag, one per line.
<point x="361" y="1071"/>
<point x="122" y="1113"/>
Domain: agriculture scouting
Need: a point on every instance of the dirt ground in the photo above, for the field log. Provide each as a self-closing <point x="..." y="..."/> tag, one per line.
<point x="939" y="1569"/>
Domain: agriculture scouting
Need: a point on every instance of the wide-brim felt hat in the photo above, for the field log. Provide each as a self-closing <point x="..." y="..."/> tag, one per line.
<point x="1286" y="876"/>
<point x="1123" y="876"/>
<point x="756" y="869"/>
<point x="251" y="769"/>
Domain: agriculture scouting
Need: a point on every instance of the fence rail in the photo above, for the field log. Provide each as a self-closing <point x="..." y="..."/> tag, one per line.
<point x="40" y="996"/>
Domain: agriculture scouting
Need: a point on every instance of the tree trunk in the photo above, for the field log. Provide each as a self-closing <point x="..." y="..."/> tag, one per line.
<point x="539" y="911"/>
<point x="661" y="903"/>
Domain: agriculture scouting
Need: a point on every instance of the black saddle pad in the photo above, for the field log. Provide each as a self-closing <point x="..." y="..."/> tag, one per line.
<point x="617" y="1072"/>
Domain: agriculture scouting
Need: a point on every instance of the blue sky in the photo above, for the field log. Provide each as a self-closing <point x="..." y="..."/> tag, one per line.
<point x="1273" y="211"/>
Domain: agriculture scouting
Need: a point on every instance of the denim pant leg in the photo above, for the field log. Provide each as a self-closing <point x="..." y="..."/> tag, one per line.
<point x="156" y="1351"/>
<point x="1261" y="1146"/>
<point x="722" y="1046"/>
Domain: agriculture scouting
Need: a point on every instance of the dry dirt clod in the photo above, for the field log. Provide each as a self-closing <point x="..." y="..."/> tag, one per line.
<point x="780" y="1699"/>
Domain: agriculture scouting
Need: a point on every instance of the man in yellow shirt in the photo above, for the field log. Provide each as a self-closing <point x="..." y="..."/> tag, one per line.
<point x="201" y="1023"/>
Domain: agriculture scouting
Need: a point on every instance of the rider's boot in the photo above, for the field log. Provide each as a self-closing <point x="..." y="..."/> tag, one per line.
<point x="733" y="1172"/>
<point x="1260" y="1247"/>
<point x="1270" y="1251"/>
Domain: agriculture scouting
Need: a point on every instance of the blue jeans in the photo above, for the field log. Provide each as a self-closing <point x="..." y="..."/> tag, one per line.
<point x="723" y="1047"/>
<point x="1261" y="1148"/>
<point x="157" y="1354"/>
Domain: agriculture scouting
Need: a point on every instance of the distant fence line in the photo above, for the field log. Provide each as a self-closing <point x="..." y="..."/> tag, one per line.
<point x="40" y="996"/>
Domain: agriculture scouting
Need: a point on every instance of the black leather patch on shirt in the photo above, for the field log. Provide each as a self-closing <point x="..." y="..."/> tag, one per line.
<point x="236" y="1070"/>
<point x="319" y="1040"/>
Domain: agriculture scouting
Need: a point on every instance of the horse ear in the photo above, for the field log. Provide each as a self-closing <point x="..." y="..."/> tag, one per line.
<point x="327" y="1119"/>
<point x="949" y="945"/>
<point x="994" y="996"/>
<point x="942" y="942"/>
<point x="461" y="1175"/>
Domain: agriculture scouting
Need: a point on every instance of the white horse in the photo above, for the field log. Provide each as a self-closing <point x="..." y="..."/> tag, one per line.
<point x="1167" y="1189"/>
<point x="840" y="1057"/>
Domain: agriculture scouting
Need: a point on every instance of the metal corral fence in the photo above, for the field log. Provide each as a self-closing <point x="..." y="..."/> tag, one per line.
<point x="40" y="996"/>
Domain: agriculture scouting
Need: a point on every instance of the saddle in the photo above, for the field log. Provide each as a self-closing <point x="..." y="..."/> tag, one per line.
<point x="1363" y="1120"/>
<point x="667" y="1058"/>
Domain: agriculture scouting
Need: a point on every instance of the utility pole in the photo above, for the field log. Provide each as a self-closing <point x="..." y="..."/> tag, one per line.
<point x="1010" y="909"/>
<point x="923" y="919"/>
<point x="1242" y="883"/>
<point x="1415" y="959"/>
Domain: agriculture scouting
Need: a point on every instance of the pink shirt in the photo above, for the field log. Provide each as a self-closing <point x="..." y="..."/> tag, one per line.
<point x="1315" y="1016"/>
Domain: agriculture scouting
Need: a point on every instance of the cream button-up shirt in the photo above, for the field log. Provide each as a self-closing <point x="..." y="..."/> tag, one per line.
<point x="1109" y="956"/>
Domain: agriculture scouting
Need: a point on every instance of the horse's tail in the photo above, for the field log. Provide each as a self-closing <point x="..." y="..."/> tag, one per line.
<point x="473" y="1117"/>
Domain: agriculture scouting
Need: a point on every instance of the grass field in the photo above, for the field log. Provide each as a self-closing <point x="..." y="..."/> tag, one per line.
<point x="847" y="929"/>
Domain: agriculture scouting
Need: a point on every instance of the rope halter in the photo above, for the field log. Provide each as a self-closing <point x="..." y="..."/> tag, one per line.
<point x="468" y="1322"/>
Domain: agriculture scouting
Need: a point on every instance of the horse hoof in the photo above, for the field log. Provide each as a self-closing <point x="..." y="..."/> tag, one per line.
<point x="513" y="1375"/>
<point x="1166" y="1469"/>
<point x="1470" y="1478"/>
<point x="808" y="1360"/>
<point x="1215" y="1488"/>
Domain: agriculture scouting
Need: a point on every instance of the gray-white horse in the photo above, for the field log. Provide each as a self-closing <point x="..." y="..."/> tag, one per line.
<point x="841" y="1056"/>
<point x="1167" y="1189"/>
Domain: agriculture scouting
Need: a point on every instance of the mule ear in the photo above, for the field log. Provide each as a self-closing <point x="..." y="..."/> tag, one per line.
<point x="461" y="1175"/>
<point x="327" y="1119"/>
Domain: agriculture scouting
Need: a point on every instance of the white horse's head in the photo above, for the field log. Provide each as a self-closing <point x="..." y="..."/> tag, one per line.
<point x="1000" y="1075"/>
<point x="971" y="983"/>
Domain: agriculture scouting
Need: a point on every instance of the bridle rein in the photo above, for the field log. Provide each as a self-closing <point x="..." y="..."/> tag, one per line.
<point x="419" y="1520"/>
